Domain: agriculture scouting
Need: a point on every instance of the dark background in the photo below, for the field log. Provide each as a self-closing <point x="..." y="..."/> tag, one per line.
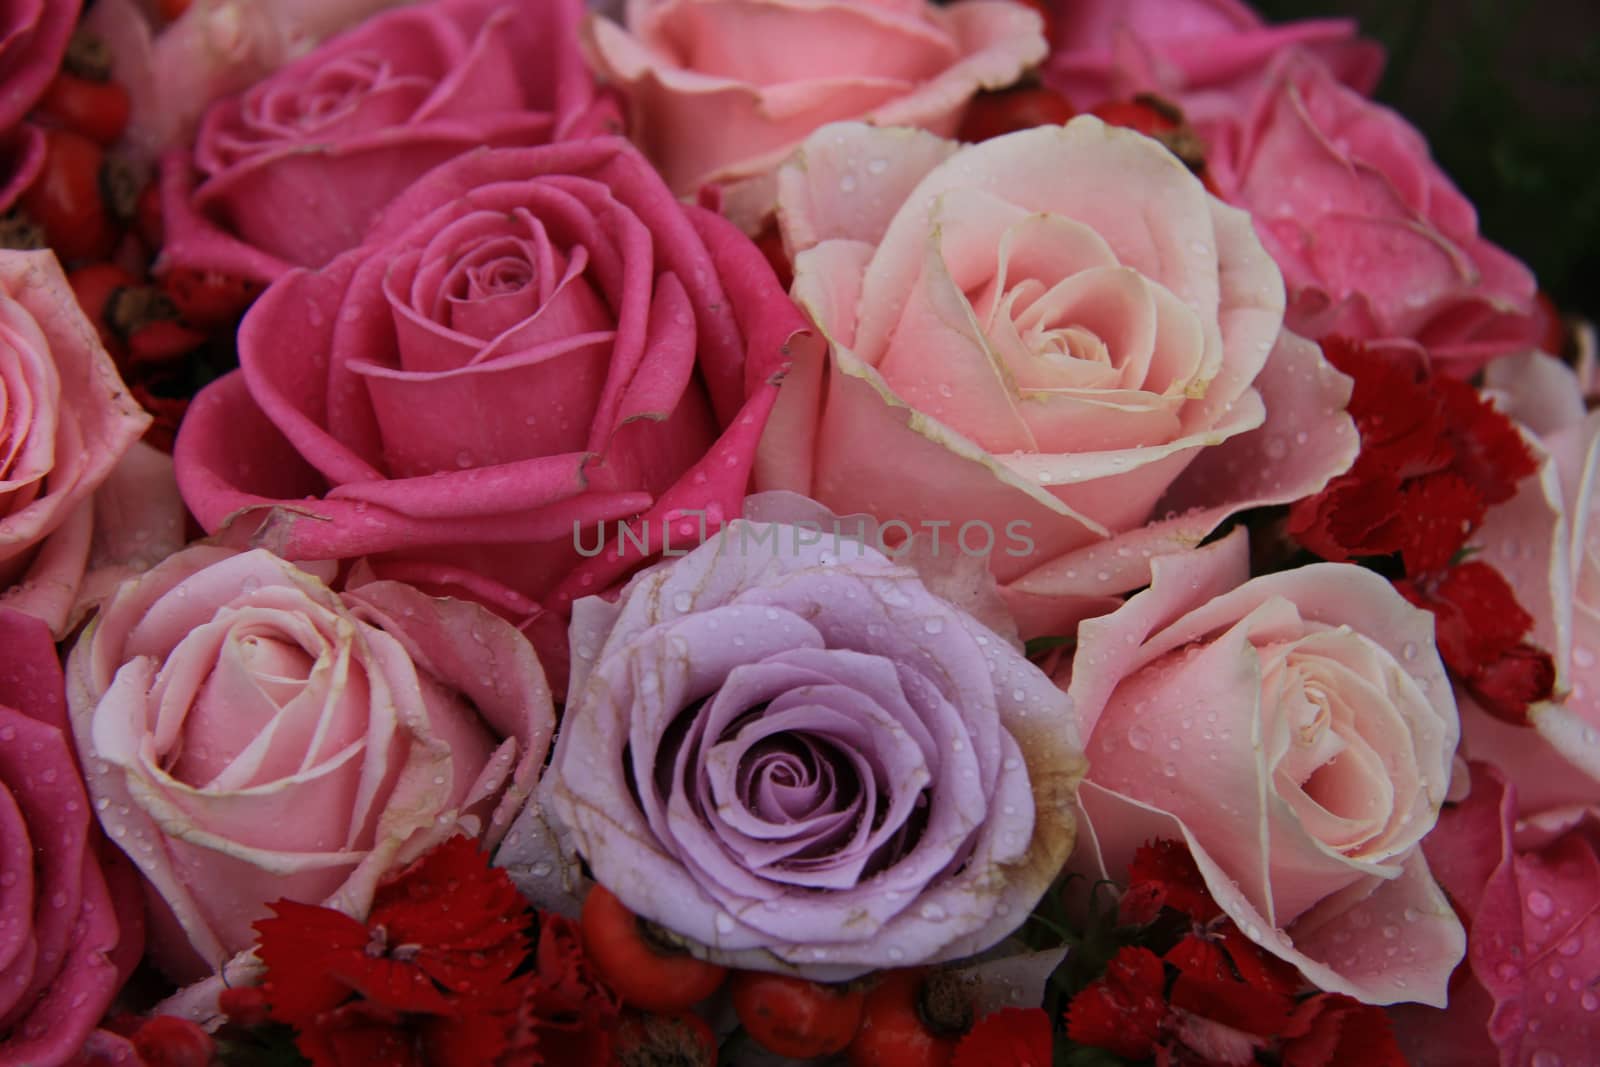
<point x="1508" y="94"/>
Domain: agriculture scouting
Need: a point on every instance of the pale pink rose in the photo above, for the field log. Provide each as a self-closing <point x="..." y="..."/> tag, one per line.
<point x="1546" y="541"/>
<point x="66" y="421"/>
<point x="68" y="937"/>
<point x="724" y="90"/>
<point x="1374" y="241"/>
<point x="1296" y="731"/>
<point x="1204" y="55"/>
<point x="1056" y="334"/>
<point x="1528" y="885"/>
<point x="216" y="47"/>
<point x="249" y="734"/>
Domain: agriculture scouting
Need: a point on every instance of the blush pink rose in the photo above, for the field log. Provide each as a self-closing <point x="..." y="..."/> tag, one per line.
<point x="534" y="344"/>
<point x="214" y="48"/>
<point x="1056" y="334"/>
<point x="1296" y="731"/>
<point x="1374" y="241"/>
<point x="1204" y="55"/>
<point x="67" y="941"/>
<point x="66" y="423"/>
<point x="1527" y="882"/>
<point x="294" y="170"/>
<point x="1546" y="541"/>
<point x="249" y="734"/>
<point x="723" y="91"/>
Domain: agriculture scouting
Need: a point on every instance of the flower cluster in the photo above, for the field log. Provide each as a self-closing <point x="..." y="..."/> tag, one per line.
<point x="684" y="531"/>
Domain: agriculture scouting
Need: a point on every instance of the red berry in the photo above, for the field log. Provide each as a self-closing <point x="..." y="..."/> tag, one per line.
<point x="147" y="218"/>
<point x="1137" y="115"/>
<point x="1020" y="108"/>
<point x="161" y="341"/>
<point x="206" y="299"/>
<point x="912" y="1019"/>
<point x="167" y="1041"/>
<point x="645" y="965"/>
<point x="682" y="1039"/>
<point x="96" y="109"/>
<point x="94" y="286"/>
<point x="66" y="200"/>
<point x="796" y="1018"/>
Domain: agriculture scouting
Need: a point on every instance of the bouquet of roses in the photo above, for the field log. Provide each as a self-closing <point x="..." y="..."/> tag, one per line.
<point x="776" y="531"/>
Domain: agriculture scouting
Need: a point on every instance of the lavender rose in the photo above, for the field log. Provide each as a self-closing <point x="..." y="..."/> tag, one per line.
<point x="786" y="748"/>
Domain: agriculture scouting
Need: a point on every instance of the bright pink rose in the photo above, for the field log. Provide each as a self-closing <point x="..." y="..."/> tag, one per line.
<point x="1056" y="336"/>
<point x="216" y="47"/>
<point x="66" y="942"/>
<point x="1374" y="241"/>
<point x="294" y="171"/>
<point x="1204" y="55"/>
<point x="1546" y="541"/>
<point x="532" y="342"/>
<point x="66" y="422"/>
<point x="1296" y="731"/>
<point x="249" y="734"/>
<point x="724" y="90"/>
<point x="1528" y="886"/>
<point x="33" y="37"/>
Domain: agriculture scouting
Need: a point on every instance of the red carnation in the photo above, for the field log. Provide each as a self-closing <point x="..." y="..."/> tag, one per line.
<point x="1017" y="1037"/>
<point x="1435" y="456"/>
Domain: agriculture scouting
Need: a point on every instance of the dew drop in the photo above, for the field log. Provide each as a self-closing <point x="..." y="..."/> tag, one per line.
<point x="1540" y="904"/>
<point x="1139" y="739"/>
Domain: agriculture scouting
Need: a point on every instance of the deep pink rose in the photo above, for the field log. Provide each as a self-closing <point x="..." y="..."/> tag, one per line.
<point x="33" y="38"/>
<point x="66" y="422"/>
<point x="1056" y="334"/>
<point x="1204" y="55"/>
<point x="1296" y="730"/>
<point x="533" y="341"/>
<point x="789" y="749"/>
<point x="723" y="90"/>
<point x="249" y="734"/>
<point x="67" y="943"/>
<point x="214" y="48"/>
<point x="1546" y="541"/>
<point x="294" y="170"/>
<point x="1527" y="882"/>
<point x="1374" y="241"/>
